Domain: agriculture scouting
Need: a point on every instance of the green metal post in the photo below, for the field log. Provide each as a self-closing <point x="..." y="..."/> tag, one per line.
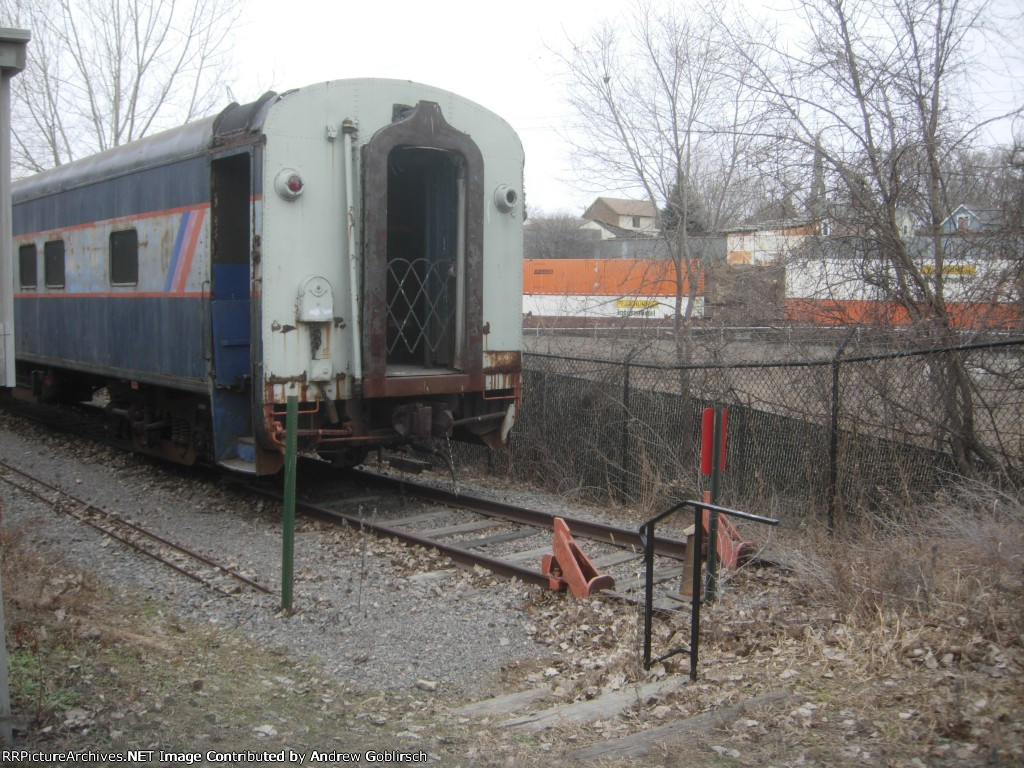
<point x="288" y="549"/>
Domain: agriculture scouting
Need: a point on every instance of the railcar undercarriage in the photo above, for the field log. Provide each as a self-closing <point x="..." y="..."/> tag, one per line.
<point x="177" y="426"/>
<point x="160" y="421"/>
<point x="419" y="423"/>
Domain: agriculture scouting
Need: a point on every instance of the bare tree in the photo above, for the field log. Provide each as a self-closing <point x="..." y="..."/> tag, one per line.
<point x="557" y="236"/>
<point x="105" y="72"/>
<point x="879" y="92"/>
<point x="662" y="108"/>
<point x="985" y="178"/>
<point x="663" y="112"/>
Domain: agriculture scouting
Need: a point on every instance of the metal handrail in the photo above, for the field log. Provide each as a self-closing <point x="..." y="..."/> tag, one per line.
<point x="647" y="540"/>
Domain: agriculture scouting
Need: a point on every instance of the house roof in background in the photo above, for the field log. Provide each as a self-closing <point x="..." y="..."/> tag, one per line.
<point x="624" y="207"/>
<point x="987" y="218"/>
<point x="621" y="232"/>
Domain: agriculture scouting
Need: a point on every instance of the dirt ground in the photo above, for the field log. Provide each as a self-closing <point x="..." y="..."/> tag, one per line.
<point x="898" y="645"/>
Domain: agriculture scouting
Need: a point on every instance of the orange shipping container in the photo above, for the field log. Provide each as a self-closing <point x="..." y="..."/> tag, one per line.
<point x="604" y="277"/>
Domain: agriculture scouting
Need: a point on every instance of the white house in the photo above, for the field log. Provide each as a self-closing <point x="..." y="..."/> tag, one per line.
<point x="615" y="217"/>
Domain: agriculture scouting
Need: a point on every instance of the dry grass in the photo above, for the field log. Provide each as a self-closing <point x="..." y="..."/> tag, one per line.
<point x="901" y="639"/>
<point x="94" y="670"/>
<point x="48" y="619"/>
<point x="908" y="628"/>
<point x="956" y="564"/>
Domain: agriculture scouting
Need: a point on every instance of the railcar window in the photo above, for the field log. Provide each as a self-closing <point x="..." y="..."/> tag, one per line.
<point x="124" y="257"/>
<point x="27" y="267"/>
<point x="53" y="263"/>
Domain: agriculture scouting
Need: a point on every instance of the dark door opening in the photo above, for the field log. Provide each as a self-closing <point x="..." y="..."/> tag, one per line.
<point x="423" y="256"/>
<point x="229" y="292"/>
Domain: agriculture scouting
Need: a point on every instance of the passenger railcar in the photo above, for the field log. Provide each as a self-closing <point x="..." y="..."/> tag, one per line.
<point x="357" y="244"/>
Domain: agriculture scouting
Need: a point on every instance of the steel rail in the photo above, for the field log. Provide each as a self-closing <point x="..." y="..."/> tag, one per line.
<point x="621" y="537"/>
<point x="460" y="555"/>
<point x="587" y="529"/>
<point x="86" y="507"/>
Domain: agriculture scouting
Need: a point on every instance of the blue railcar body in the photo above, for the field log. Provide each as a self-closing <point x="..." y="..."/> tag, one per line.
<point x="166" y="187"/>
<point x="191" y="140"/>
<point x="126" y="337"/>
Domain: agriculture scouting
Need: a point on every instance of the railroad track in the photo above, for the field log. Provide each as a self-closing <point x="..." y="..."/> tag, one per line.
<point x="184" y="561"/>
<point x="473" y="531"/>
<point x="507" y="539"/>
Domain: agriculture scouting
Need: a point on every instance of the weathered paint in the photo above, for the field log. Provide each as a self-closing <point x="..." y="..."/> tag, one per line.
<point x="502" y="371"/>
<point x="425" y="126"/>
<point x="124" y="337"/>
<point x="160" y="330"/>
<point x="173" y="248"/>
<point x="121" y="330"/>
<point x="40" y="204"/>
<point x="307" y="236"/>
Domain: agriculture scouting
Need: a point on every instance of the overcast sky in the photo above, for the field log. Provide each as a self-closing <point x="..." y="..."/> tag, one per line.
<point x="495" y="52"/>
<point x="490" y="51"/>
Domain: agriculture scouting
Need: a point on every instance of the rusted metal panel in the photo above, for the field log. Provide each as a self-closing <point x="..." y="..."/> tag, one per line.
<point x="502" y="370"/>
<point x="323" y="232"/>
<point x="416" y="386"/>
<point x="503" y="362"/>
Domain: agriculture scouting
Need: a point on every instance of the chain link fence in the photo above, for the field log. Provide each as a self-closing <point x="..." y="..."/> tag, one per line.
<point x="837" y="436"/>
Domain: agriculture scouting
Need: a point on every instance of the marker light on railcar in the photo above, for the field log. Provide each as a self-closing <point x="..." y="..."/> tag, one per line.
<point x="289" y="184"/>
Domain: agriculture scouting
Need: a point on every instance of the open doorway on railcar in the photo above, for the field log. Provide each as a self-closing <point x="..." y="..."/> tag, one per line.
<point x="422" y="256"/>
<point x="230" y="310"/>
<point x="230" y="231"/>
<point x="423" y="267"/>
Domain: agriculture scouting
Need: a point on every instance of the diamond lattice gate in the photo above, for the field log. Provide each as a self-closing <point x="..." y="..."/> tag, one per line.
<point x="421" y="311"/>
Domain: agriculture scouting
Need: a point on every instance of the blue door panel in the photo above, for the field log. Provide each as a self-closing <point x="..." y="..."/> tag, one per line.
<point x="231" y="343"/>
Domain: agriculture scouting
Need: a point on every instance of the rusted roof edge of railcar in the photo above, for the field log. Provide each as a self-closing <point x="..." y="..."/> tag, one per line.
<point x="183" y="142"/>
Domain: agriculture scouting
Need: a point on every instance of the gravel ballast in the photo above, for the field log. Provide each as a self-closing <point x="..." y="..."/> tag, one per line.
<point x="375" y="613"/>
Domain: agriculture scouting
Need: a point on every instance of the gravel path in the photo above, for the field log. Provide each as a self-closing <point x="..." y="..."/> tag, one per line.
<point x="375" y="613"/>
